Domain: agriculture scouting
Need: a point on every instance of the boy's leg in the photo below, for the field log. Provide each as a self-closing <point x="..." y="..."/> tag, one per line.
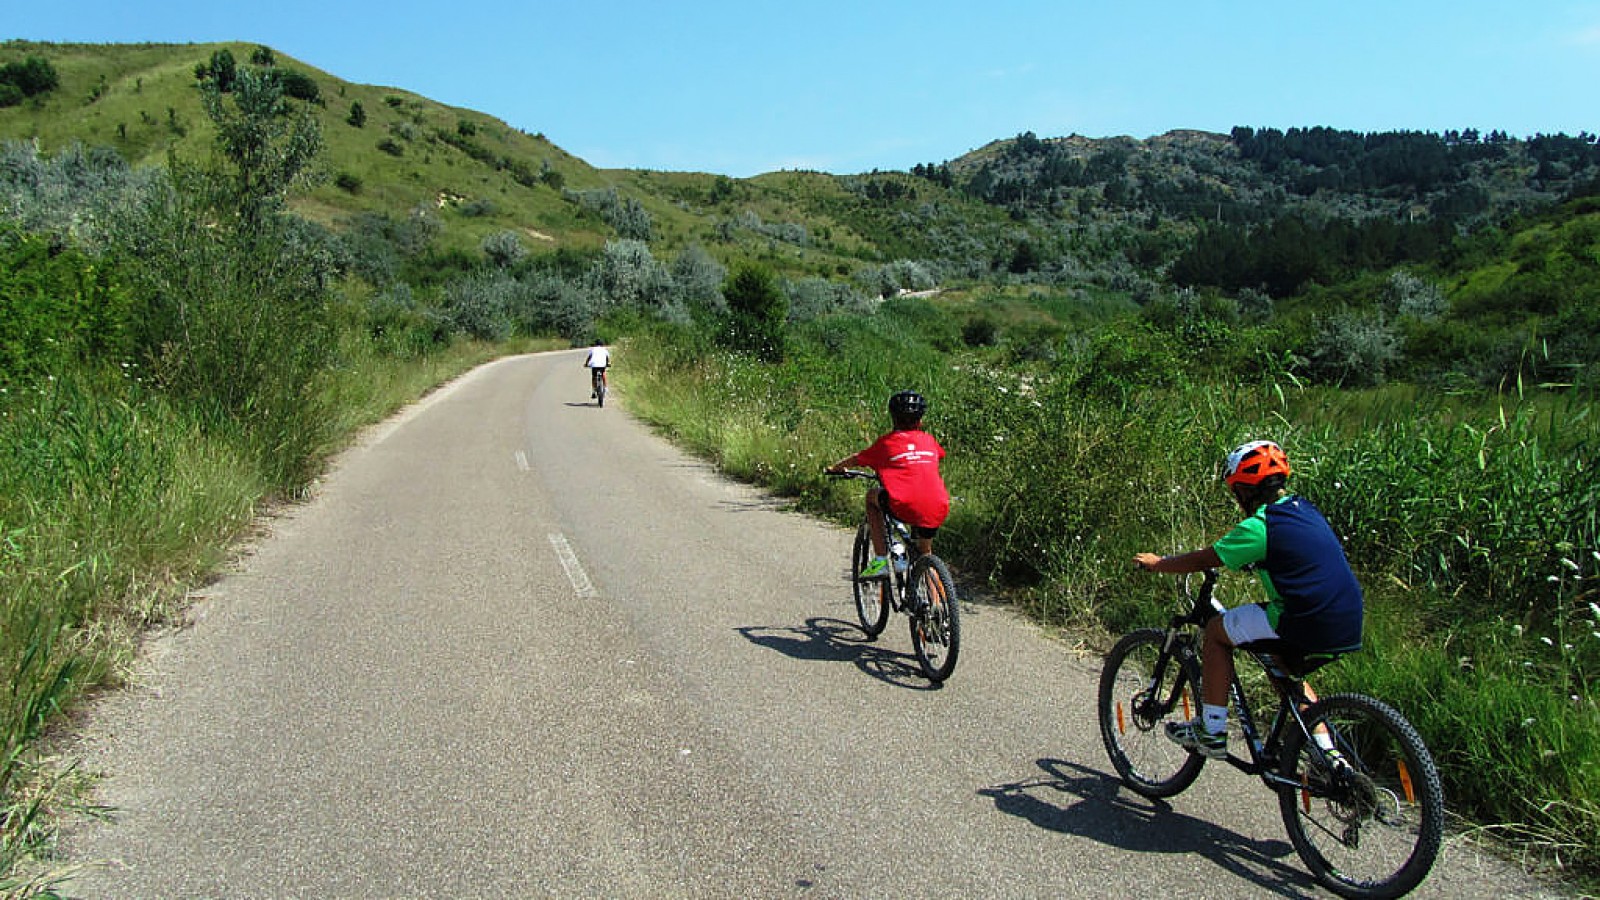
<point x="1216" y="669"/>
<point x="1208" y="733"/>
<point x="880" y="541"/>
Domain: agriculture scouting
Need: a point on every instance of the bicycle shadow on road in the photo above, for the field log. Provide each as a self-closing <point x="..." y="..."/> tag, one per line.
<point x="834" y="640"/>
<point x="1077" y="800"/>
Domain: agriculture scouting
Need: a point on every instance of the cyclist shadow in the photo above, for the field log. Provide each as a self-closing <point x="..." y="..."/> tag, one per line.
<point x="1077" y="800"/>
<point x="590" y="405"/>
<point x="834" y="640"/>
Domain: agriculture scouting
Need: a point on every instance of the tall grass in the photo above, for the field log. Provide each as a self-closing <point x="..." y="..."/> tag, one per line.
<point x="1471" y="522"/>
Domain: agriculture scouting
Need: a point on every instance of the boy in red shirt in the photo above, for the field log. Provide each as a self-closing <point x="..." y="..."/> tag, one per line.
<point x="907" y="462"/>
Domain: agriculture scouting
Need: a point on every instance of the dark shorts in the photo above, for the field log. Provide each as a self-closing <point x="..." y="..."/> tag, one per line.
<point x="917" y="531"/>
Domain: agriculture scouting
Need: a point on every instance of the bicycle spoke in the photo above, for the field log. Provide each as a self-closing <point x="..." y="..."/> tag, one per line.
<point x="935" y="617"/>
<point x="1134" y="710"/>
<point x="1368" y="825"/>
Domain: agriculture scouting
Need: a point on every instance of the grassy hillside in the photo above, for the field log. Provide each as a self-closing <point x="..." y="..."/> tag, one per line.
<point x="479" y="174"/>
<point x="142" y="100"/>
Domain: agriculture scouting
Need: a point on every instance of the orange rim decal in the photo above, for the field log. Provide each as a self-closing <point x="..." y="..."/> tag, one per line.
<point x="1405" y="781"/>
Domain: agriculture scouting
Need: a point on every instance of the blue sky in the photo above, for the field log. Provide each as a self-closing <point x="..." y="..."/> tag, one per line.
<point x="741" y="88"/>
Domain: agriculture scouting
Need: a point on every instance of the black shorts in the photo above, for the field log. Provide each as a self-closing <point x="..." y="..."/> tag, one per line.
<point x="886" y="503"/>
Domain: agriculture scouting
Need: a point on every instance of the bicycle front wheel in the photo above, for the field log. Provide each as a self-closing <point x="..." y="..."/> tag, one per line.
<point x="935" y="617"/>
<point x="872" y="594"/>
<point x="1370" y="828"/>
<point x="1141" y="690"/>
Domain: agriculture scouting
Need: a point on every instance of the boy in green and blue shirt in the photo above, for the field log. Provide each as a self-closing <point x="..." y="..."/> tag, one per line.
<point x="1313" y="599"/>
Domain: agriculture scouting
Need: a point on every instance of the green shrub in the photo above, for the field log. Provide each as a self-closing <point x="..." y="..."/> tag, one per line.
<point x="62" y="308"/>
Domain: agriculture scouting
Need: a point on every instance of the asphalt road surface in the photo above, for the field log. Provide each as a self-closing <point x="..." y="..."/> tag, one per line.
<point x="519" y="646"/>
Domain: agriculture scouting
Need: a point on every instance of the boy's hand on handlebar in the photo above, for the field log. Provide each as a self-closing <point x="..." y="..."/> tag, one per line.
<point x="1147" y="561"/>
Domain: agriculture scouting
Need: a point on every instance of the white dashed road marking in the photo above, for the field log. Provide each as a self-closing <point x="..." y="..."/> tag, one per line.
<point x="569" y="561"/>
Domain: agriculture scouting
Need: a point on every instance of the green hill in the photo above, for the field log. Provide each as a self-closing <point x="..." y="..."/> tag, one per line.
<point x="409" y="152"/>
<point x="1311" y="220"/>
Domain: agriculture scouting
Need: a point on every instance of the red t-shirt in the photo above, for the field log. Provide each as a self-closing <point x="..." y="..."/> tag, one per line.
<point x="908" y="463"/>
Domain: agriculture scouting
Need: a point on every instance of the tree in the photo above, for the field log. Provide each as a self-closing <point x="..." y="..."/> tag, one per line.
<point x="220" y="72"/>
<point x="757" y="313"/>
<point x="358" y="115"/>
<point x="269" y="151"/>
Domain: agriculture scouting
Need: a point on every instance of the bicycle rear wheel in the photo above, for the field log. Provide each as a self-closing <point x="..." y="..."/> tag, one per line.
<point x="600" y="393"/>
<point x="1134" y="708"/>
<point x="1371" y="829"/>
<point x="935" y="617"/>
<point x="872" y="594"/>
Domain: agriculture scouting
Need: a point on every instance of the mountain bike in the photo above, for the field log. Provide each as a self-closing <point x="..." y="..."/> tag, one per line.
<point x="1366" y="820"/>
<point x="918" y="585"/>
<point x="597" y="380"/>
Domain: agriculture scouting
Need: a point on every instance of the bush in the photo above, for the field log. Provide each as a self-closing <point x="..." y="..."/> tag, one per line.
<point x="757" y="312"/>
<point x="1354" y="349"/>
<point x="62" y="308"/>
<point x="480" y="305"/>
<point x="31" y="77"/>
<point x="549" y="304"/>
<point x="299" y="85"/>
<point x="504" y="249"/>
<point x="627" y="276"/>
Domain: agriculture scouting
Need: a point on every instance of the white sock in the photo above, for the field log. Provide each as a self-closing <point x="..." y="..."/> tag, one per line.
<point x="1215" y="718"/>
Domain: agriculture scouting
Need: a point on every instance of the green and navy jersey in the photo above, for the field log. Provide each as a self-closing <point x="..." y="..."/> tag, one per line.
<point x="1313" y="599"/>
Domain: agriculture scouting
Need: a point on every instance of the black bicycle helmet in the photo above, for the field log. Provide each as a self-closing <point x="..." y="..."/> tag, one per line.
<point x="907" y="403"/>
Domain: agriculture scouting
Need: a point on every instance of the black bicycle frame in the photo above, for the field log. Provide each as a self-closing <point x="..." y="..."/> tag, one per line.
<point x="1290" y="689"/>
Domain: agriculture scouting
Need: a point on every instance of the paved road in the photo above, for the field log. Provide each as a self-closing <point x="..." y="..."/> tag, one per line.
<point x="518" y="646"/>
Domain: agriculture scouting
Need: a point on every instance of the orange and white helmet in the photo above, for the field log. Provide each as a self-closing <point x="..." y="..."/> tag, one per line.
<point x="1254" y="462"/>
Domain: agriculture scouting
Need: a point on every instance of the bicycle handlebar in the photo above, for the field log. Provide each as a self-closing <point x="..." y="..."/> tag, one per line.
<point x="847" y="474"/>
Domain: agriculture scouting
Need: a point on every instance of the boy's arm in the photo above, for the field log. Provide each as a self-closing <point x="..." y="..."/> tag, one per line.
<point x="845" y="463"/>
<point x="1193" y="561"/>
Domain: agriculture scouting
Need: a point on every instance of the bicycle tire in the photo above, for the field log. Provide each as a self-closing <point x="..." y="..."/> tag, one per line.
<point x="1133" y="727"/>
<point x="1375" y="831"/>
<point x="600" y="394"/>
<point x="935" y="618"/>
<point x="872" y="594"/>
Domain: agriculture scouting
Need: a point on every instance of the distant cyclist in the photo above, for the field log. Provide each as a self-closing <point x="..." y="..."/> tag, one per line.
<point x="599" y="358"/>
<point x="907" y="462"/>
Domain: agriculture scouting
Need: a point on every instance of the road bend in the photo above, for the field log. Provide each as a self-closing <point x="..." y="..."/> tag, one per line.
<point x="518" y="646"/>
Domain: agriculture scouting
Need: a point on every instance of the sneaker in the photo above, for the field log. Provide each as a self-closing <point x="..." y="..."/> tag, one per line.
<point x="876" y="568"/>
<point x="1194" y="737"/>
